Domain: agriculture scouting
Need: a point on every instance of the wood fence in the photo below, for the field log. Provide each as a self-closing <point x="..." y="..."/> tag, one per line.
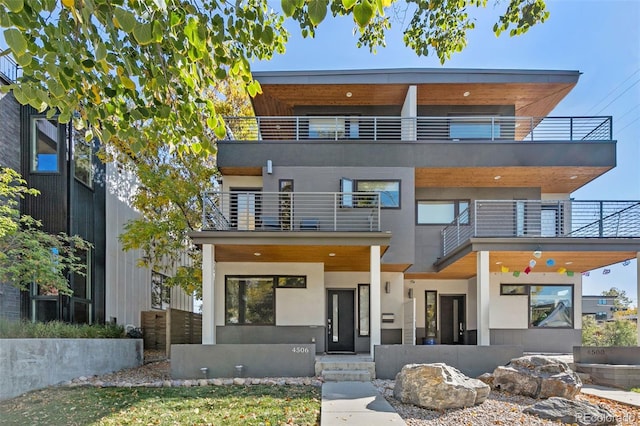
<point x="161" y="329"/>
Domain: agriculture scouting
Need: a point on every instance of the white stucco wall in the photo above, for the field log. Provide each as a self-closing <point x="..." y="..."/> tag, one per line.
<point x="294" y="306"/>
<point x="513" y="311"/>
<point x="229" y="182"/>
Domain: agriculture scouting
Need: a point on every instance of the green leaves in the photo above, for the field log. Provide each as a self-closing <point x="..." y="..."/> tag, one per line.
<point x="124" y="19"/>
<point x="317" y="10"/>
<point x="363" y="13"/>
<point x="16" y="41"/>
<point x="143" y="33"/>
<point x="14" y="6"/>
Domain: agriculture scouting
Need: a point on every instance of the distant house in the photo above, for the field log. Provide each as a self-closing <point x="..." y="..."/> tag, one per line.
<point x="600" y="307"/>
<point x="402" y="206"/>
<point x="78" y="195"/>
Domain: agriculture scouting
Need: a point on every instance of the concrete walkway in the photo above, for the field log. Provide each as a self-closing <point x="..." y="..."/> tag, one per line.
<point x="355" y="403"/>
<point x="618" y="395"/>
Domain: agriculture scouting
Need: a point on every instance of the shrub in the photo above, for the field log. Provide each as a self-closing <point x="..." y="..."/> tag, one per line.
<point x="57" y="329"/>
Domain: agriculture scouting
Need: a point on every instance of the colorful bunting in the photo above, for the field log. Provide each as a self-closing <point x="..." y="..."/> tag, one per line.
<point x="626" y="262"/>
<point x="537" y="254"/>
<point x="562" y="270"/>
<point x="532" y="263"/>
<point x="516" y="273"/>
<point x="606" y="271"/>
<point x="586" y="274"/>
<point x="569" y="273"/>
<point x="527" y="270"/>
<point x="551" y="262"/>
<point x="504" y="269"/>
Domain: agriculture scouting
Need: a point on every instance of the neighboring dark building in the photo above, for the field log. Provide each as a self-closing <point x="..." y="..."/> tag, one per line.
<point x="600" y="307"/>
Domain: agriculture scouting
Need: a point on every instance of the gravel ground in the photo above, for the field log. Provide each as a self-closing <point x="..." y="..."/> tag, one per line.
<point x="499" y="409"/>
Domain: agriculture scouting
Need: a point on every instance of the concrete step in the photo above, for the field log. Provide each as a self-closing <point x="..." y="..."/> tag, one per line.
<point x="346" y="375"/>
<point x="348" y="365"/>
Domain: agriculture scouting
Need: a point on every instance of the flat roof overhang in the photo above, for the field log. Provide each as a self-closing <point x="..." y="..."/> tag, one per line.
<point x="350" y="249"/>
<point x="533" y="92"/>
<point x="574" y="254"/>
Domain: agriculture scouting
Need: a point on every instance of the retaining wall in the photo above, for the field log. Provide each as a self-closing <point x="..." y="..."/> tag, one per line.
<point x="259" y="360"/>
<point x="471" y="360"/>
<point x="617" y="366"/>
<point x="28" y="364"/>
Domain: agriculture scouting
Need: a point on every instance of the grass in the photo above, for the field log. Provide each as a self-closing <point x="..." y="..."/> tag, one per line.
<point x="207" y="405"/>
<point x="57" y="329"/>
<point x="635" y="390"/>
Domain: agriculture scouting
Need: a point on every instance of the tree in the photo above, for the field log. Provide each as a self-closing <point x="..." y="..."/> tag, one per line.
<point x="28" y="254"/>
<point x="611" y="333"/>
<point x="143" y="70"/>
<point x="169" y="198"/>
<point x="621" y="301"/>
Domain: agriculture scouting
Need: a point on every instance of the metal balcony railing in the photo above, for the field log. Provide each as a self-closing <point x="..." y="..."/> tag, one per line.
<point x="291" y="211"/>
<point x="543" y="218"/>
<point x="9" y="69"/>
<point x="387" y="128"/>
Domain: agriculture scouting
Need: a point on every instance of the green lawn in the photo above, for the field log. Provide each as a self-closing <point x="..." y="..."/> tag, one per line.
<point x="210" y="405"/>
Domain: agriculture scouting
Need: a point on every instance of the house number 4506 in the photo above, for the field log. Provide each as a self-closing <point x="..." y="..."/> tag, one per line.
<point x="300" y="350"/>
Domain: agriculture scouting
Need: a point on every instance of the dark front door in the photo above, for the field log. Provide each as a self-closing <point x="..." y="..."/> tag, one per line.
<point x="452" y="319"/>
<point x="340" y="321"/>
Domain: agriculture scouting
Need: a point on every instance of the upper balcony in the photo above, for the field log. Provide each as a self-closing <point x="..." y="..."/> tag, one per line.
<point x="419" y="129"/>
<point x="543" y="219"/>
<point x="291" y="211"/>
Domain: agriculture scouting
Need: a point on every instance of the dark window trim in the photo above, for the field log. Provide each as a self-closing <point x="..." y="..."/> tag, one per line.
<point x="277" y="281"/>
<point x="456" y="211"/>
<point x="399" y="181"/>
<point x="573" y="304"/>
<point x="32" y="135"/>
<point x="89" y="185"/>
<point x="368" y="311"/>
<point x="426" y="327"/>
<point x="273" y="288"/>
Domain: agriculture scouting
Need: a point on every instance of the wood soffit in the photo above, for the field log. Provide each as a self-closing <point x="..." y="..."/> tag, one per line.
<point x="529" y="99"/>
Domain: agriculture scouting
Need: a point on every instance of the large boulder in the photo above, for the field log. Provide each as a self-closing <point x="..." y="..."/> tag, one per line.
<point x="537" y="376"/>
<point x="563" y="410"/>
<point x="438" y="386"/>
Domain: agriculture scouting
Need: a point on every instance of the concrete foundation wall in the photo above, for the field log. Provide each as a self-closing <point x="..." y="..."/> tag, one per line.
<point x="538" y="339"/>
<point x="616" y="355"/>
<point x="28" y="364"/>
<point x="267" y="334"/>
<point x="618" y="376"/>
<point x="471" y="360"/>
<point x="297" y="360"/>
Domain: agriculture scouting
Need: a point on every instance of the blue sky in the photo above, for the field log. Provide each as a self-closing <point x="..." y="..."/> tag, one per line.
<point x="601" y="39"/>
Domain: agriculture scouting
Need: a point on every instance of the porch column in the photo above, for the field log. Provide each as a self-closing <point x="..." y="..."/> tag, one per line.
<point x="208" y="298"/>
<point x="638" y="295"/>
<point x="482" y="289"/>
<point x="376" y="315"/>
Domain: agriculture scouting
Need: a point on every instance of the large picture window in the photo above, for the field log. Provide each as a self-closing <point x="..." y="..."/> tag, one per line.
<point x="249" y="301"/>
<point x="551" y="306"/>
<point x="442" y="212"/>
<point x="45" y="147"/>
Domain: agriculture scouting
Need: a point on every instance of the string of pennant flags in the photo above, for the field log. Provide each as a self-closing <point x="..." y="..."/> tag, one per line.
<point x="551" y="263"/>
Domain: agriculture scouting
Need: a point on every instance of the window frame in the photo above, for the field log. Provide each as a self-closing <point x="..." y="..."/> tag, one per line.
<point x="240" y="277"/>
<point x="573" y="312"/>
<point x="356" y="182"/>
<point x="523" y="290"/>
<point x="456" y="211"/>
<point x="435" y="314"/>
<point x="165" y="292"/>
<point x="33" y="153"/>
<point x="361" y="304"/>
<point x="90" y="172"/>
<point x="279" y="277"/>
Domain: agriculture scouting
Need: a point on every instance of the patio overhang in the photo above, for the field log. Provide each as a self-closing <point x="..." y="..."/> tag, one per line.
<point x="339" y="251"/>
<point x="573" y="254"/>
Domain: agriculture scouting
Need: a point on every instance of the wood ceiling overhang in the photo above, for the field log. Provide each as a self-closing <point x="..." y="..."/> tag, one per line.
<point x="530" y="99"/>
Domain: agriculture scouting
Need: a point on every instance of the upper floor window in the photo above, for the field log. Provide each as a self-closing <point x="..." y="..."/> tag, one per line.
<point x="602" y="301"/>
<point x="442" y="212"/>
<point x="334" y="128"/>
<point x="45" y="145"/>
<point x="473" y="128"/>
<point x="82" y="159"/>
<point x="389" y="191"/>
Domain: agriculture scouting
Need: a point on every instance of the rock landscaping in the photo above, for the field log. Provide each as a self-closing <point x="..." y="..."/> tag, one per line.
<point x="537" y="376"/>
<point x="438" y="386"/>
<point x="563" y="410"/>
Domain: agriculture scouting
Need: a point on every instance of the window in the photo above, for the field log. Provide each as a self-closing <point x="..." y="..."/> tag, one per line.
<point x="473" y="128"/>
<point x="600" y="316"/>
<point x="81" y="309"/>
<point x="431" y="311"/>
<point x="602" y="301"/>
<point x="442" y="212"/>
<point x="82" y="159"/>
<point x="286" y="202"/>
<point x="160" y="291"/>
<point x="249" y="301"/>
<point x="389" y="191"/>
<point x="551" y="306"/>
<point x="44" y="145"/>
<point x="292" y="282"/>
<point x="364" y="308"/>
<point x="327" y="128"/>
<point x="513" y="290"/>
<point x="346" y="186"/>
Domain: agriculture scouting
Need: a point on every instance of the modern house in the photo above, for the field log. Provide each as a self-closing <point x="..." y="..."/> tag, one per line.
<point x="600" y="307"/>
<point x="409" y="206"/>
<point x="79" y="195"/>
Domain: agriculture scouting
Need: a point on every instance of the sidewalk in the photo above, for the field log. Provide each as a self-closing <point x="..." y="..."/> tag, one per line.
<point x="618" y="395"/>
<point x="355" y="403"/>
